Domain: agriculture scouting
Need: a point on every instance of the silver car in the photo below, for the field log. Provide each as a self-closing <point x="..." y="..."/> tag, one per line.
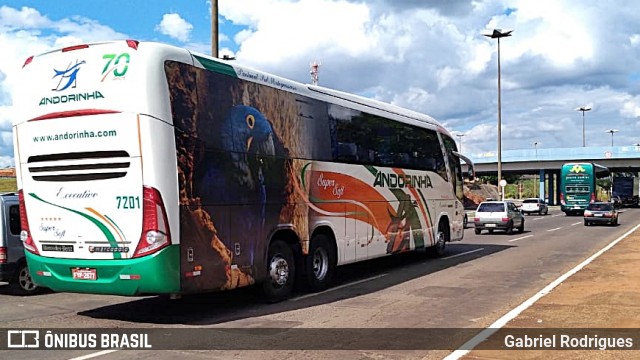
<point x="534" y="205"/>
<point x="500" y="215"/>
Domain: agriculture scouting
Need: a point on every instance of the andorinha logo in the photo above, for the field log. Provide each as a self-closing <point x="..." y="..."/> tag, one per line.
<point x="577" y="169"/>
<point x="67" y="78"/>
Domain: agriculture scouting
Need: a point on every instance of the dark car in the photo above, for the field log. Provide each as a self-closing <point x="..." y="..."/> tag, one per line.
<point x="601" y="213"/>
<point x="13" y="265"/>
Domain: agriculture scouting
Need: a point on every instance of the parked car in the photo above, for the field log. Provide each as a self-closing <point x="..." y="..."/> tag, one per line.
<point x="534" y="205"/>
<point x="501" y="215"/>
<point x="13" y="264"/>
<point x="601" y="213"/>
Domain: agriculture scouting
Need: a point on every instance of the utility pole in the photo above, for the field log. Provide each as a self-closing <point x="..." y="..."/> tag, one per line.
<point x="214" y="28"/>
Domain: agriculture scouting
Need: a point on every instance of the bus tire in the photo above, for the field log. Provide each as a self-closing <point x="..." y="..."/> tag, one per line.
<point x="438" y="249"/>
<point x="22" y="283"/>
<point x="320" y="263"/>
<point x="281" y="272"/>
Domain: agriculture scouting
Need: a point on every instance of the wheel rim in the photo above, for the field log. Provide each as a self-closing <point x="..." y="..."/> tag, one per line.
<point x="279" y="270"/>
<point x="440" y="243"/>
<point x="320" y="263"/>
<point x="24" y="279"/>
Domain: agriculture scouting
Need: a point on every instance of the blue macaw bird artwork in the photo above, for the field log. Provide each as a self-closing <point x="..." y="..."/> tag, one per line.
<point x="69" y="73"/>
<point x="247" y="138"/>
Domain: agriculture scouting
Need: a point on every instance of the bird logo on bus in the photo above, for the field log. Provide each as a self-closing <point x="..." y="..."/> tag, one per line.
<point x="67" y="76"/>
<point x="577" y="169"/>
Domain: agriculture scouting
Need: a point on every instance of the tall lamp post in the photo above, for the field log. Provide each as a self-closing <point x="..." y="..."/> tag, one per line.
<point x="214" y="28"/>
<point x="583" y="109"/>
<point x="612" y="131"/>
<point x="460" y="142"/>
<point x="497" y="34"/>
<point x="535" y="176"/>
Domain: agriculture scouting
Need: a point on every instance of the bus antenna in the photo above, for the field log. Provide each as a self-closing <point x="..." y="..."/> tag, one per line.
<point x="314" y="72"/>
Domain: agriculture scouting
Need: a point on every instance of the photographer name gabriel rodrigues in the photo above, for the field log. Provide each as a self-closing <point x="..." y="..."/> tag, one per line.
<point x="563" y="341"/>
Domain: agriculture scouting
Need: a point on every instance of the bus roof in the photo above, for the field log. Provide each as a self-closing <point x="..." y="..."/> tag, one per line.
<point x="116" y="76"/>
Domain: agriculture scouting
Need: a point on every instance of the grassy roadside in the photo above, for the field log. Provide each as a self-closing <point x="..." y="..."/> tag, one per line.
<point x="8" y="185"/>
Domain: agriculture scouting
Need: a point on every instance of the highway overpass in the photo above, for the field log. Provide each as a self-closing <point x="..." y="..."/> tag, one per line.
<point x="546" y="163"/>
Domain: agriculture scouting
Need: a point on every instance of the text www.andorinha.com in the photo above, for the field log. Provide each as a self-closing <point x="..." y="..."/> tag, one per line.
<point x="86" y="134"/>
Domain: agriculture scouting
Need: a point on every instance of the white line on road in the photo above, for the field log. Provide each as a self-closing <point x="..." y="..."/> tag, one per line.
<point x="520" y="238"/>
<point x="578" y="223"/>
<point x="96" y="354"/>
<point x="538" y="218"/>
<point x="464" y="253"/>
<point x="556" y="215"/>
<point x="498" y="324"/>
<point x="554" y="229"/>
<point x="338" y="287"/>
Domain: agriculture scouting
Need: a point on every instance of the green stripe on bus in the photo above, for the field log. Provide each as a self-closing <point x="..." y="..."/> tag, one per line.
<point x="216" y="66"/>
<point x="104" y="229"/>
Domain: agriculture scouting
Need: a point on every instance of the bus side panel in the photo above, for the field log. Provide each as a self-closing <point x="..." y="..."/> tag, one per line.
<point x="235" y="173"/>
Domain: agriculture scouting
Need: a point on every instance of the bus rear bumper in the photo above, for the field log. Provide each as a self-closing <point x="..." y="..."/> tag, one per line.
<point x="158" y="273"/>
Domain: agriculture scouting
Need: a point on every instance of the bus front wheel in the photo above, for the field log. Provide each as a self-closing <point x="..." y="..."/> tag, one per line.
<point x="320" y="264"/>
<point x="281" y="272"/>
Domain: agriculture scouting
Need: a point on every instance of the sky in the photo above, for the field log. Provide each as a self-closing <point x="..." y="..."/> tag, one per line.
<point x="426" y="55"/>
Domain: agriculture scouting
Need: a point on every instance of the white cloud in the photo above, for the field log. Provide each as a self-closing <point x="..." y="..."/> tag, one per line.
<point x="173" y="25"/>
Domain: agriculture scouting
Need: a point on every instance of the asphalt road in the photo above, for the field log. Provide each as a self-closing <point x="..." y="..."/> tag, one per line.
<point x="477" y="281"/>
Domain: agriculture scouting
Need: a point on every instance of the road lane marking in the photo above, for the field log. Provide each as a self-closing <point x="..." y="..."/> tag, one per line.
<point x="96" y="354"/>
<point x="338" y="287"/>
<point x="501" y="322"/>
<point x="556" y="215"/>
<point x="578" y="223"/>
<point x="538" y="218"/>
<point x="520" y="238"/>
<point x="464" y="253"/>
<point x="554" y="229"/>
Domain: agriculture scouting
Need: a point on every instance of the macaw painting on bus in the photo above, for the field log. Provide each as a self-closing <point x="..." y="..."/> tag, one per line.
<point x="233" y="172"/>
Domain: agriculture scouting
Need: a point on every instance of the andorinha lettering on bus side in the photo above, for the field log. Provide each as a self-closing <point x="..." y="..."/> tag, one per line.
<point x="564" y="341"/>
<point x="392" y="180"/>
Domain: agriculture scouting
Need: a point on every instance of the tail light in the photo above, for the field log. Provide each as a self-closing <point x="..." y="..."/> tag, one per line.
<point x="587" y="213"/>
<point x="3" y="255"/>
<point x="155" y="226"/>
<point x="476" y="219"/>
<point x="25" y="233"/>
<point x="593" y="198"/>
<point x="505" y="219"/>
<point x="562" y="199"/>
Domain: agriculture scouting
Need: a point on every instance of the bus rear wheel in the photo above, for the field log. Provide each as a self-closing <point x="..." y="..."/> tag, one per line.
<point x="281" y="272"/>
<point x="320" y="264"/>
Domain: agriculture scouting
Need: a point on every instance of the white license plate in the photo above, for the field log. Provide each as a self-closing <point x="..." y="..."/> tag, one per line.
<point x="597" y="215"/>
<point x="490" y="225"/>
<point x="576" y="207"/>
<point x="84" y="274"/>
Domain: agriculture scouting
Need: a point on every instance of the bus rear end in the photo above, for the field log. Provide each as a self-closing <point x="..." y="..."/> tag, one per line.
<point x="94" y="218"/>
<point x="578" y="188"/>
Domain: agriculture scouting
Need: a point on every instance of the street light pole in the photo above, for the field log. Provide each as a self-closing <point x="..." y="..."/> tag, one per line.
<point x="214" y="28"/>
<point x="460" y="142"/>
<point x="583" y="109"/>
<point x="612" y="131"/>
<point x="535" y="176"/>
<point x="497" y="34"/>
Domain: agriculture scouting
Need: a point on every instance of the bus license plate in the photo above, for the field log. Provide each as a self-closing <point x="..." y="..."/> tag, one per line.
<point x="84" y="274"/>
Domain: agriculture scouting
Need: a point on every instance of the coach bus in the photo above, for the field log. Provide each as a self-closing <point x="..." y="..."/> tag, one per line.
<point x="148" y="169"/>
<point x="578" y="186"/>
